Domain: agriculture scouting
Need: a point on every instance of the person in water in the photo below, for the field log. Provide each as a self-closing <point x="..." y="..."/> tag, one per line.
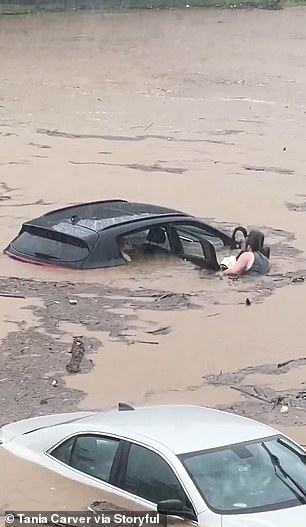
<point x="254" y="260"/>
<point x="123" y="246"/>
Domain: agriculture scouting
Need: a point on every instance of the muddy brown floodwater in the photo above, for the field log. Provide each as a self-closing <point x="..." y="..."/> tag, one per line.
<point x="198" y="110"/>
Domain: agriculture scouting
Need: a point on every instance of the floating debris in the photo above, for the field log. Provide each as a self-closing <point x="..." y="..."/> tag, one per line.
<point x="77" y="353"/>
<point x="298" y="280"/>
<point x="160" y="331"/>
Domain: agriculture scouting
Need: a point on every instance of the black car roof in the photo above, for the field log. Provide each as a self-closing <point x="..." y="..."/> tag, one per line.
<point x="80" y="220"/>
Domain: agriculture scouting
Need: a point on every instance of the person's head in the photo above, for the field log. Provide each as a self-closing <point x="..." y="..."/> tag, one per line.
<point x="255" y="241"/>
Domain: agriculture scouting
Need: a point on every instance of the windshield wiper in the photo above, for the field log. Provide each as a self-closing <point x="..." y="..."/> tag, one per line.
<point x="277" y="465"/>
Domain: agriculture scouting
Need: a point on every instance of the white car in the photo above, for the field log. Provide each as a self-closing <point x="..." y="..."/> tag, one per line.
<point x="210" y="467"/>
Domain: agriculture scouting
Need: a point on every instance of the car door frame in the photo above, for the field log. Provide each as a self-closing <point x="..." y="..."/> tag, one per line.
<point x="209" y="261"/>
<point x="119" y="469"/>
<point x="160" y="222"/>
<point x="115" y="464"/>
<point x="125" y="457"/>
<point x="169" y="225"/>
<point x="201" y="226"/>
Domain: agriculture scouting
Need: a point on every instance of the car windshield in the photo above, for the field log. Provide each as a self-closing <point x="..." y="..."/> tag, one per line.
<point x="250" y="477"/>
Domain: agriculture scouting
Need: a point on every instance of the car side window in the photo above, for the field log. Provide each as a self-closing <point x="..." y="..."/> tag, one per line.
<point x="150" y="477"/>
<point x="147" y="242"/>
<point x="189" y="234"/>
<point x="191" y="244"/>
<point x="63" y="451"/>
<point x="91" y="454"/>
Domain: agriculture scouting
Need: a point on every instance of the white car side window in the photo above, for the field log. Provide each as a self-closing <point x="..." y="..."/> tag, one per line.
<point x="150" y="477"/>
<point x="91" y="454"/>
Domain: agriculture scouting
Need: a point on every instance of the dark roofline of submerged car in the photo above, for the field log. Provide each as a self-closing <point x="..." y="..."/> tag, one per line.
<point x="148" y="218"/>
<point x="136" y="220"/>
<point x="85" y="205"/>
<point x="120" y="226"/>
<point x="107" y="201"/>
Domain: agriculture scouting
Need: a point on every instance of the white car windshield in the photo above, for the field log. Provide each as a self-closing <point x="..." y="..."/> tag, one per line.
<point x="249" y="477"/>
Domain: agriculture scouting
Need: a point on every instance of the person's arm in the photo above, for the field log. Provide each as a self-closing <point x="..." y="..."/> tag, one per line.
<point x="126" y="256"/>
<point x="243" y="263"/>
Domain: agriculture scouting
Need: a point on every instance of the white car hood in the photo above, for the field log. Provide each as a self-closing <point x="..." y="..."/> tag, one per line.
<point x="292" y="517"/>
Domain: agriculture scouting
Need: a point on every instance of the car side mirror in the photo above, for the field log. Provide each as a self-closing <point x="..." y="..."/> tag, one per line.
<point x="175" y="508"/>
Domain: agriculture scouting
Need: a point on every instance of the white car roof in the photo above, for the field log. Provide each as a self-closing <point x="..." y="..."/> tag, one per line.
<point x="179" y="428"/>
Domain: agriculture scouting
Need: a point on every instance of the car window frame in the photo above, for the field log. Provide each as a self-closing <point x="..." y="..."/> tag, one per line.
<point x="119" y="468"/>
<point x="168" y="224"/>
<point x="201" y="226"/>
<point x="116" y="464"/>
<point x="125" y="458"/>
<point x="163" y="224"/>
<point x="208" y="259"/>
<point x="210" y="262"/>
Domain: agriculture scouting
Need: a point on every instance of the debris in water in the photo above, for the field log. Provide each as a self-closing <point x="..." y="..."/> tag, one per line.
<point x="246" y="391"/>
<point x="284" y="409"/>
<point x="297" y="280"/>
<point x="100" y="506"/>
<point x="8" y="295"/>
<point x="248" y="302"/>
<point x="73" y="302"/>
<point x="142" y="342"/>
<point x="277" y="170"/>
<point x="160" y="331"/>
<point x="176" y="298"/>
<point x="282" y="364"/>
<point x="54" y="382"/>
<point x="77" y="353"/>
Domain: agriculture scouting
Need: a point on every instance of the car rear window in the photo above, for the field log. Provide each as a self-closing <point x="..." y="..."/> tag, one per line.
<point x="50" y="245"/>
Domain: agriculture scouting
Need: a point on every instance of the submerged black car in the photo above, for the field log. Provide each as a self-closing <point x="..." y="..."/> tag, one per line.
<point x="107" y="233"/>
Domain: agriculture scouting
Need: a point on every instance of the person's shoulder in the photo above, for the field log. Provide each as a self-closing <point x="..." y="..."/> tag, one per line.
<point x="245" y="257"/>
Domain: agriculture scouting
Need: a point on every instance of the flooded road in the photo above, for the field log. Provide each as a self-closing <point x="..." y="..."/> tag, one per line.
<point x="202" y="111"/>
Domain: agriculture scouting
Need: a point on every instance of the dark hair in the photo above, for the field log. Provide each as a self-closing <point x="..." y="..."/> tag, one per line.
<point x="255" y="241"/>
